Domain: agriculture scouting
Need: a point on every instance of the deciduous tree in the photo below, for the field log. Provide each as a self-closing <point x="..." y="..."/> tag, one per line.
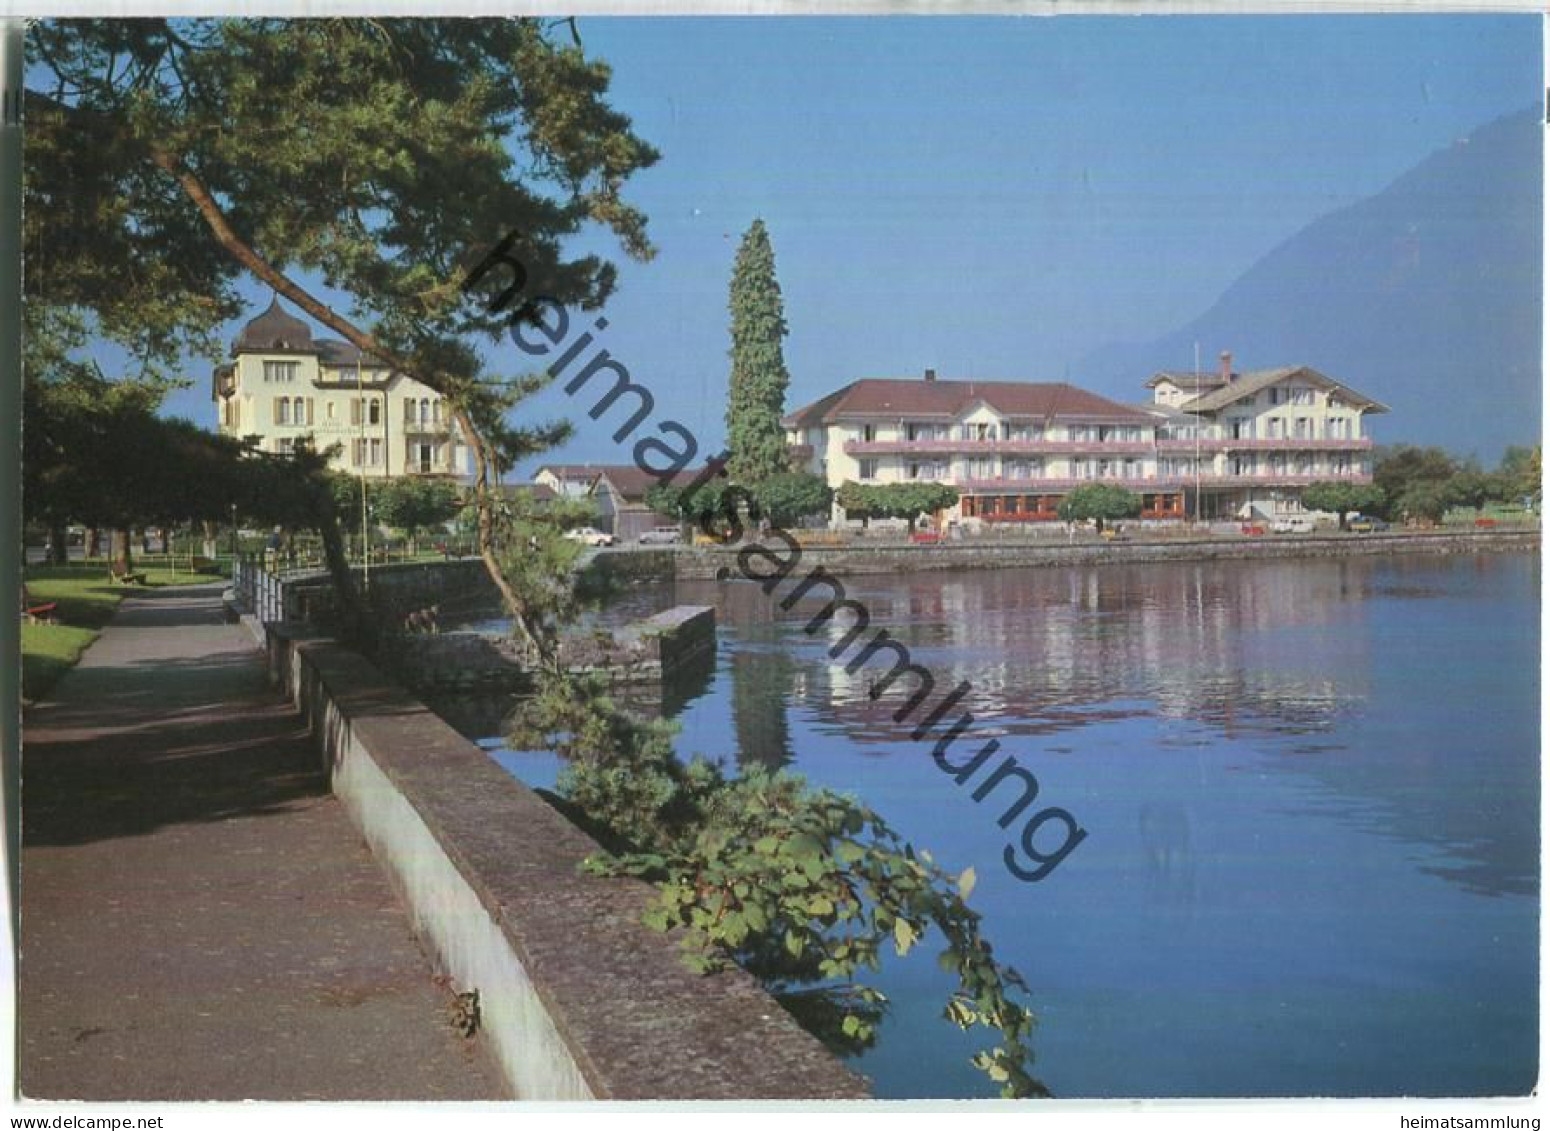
<point x="1399" y="470"/>
<point x="167" y="157"/>
<point x="895" y="500"/>
<point x="1100" y="502"/>
<point x="1340" y="498"/>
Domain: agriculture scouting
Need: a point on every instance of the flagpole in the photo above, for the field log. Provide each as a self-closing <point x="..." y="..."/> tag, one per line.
<point x="360" y="414"/>
<point x="1198" y="507"/>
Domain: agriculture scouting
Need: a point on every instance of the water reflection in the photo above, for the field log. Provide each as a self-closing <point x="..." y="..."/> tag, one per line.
<point x="1312" y="788"/>
<point x="1053" y="650"/>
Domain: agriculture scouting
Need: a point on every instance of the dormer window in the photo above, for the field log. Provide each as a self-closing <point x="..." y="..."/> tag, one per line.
<point x="280" y="372"/>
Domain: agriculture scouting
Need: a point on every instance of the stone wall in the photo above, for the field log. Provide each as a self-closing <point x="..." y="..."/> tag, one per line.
<point x="579" y="1000"/>
<point x="395" y="590"/>
<point x="706" y="562"/>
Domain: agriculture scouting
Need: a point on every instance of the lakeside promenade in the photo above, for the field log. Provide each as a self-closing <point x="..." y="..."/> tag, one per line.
<point x="199" y="917"/>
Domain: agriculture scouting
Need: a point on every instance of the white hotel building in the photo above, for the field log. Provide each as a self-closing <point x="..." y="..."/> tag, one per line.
<point x="284" y="385"/>
<point x="1221" y="445"/>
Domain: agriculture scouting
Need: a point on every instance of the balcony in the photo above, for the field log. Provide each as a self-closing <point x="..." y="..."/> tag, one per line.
<point x="1219" y="444"/>
<point x="1159" y="483"/>
<point x="437" y="428"/>
<point x="1027" y="486"/>
<point x="996" y="447"/>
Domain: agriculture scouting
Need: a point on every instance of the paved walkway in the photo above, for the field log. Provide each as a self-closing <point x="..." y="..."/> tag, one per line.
<point x="200" y="920"/>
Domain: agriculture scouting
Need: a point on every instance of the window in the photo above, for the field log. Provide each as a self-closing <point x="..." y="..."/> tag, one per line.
<point x="1240" y="428"/>
<point x="282" y="410"/>
<point x="1302" y="428"/>
<point x="374" y="412"/>
<point x="285" y="446"/>
<point x="425" y="411"/>
<point x="868" y="469"/>
<point x="424" y="457"/>
<point x="1274" y="427"/>
<point x="868" y="433"/>
<point x="328" y="409"/>
<point x="281" y="371"/>
<point x="1302" y="395"/>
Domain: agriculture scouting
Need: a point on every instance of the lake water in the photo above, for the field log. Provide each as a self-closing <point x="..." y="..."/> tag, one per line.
<point x="1311" y="790"/>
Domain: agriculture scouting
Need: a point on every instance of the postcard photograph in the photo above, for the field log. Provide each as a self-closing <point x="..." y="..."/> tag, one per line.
<point x="780" y="558"/>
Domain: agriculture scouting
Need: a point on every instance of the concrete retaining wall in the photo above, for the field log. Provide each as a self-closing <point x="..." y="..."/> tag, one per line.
<point x="647" y="651"/>
<point x="579" y="1000"/>
<point x="706" y="562"/>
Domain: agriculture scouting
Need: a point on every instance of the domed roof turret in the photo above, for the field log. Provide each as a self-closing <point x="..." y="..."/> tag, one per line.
<point x="275" y="331"/>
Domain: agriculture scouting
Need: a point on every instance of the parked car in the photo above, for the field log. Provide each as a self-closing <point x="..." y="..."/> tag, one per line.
<point x="660" y="536"/>
<point x="1366" y="524"/>
<point x="1293" y="524"/>
<point x="590" y="536"/>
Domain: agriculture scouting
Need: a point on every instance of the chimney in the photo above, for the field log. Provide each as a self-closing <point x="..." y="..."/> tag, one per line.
<point x="1227" y="365"/>
<point x="931" y="375"/>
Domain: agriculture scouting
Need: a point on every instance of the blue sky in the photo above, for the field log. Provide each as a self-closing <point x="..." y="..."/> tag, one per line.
<point x="997" y="197"/>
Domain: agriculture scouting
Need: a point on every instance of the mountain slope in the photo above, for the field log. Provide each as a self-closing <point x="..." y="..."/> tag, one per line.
<point x="1425" y="296"/>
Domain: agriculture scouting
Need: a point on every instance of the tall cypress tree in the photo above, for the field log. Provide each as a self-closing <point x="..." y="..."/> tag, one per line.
<point x="756" y="398"/>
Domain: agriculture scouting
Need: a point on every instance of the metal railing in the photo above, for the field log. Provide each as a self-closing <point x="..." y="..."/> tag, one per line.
<point x="260" y="588"/>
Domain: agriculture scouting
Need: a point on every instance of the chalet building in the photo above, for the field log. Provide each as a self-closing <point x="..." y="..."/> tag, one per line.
<point x="1247" y="444"/>
<point x="283" y="385"/>
<point x="1224" y="445"/>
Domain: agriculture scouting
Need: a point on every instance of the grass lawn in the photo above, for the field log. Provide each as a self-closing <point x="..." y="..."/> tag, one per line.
<point x="1503" y="514"/>
<point x="86" y="600"/>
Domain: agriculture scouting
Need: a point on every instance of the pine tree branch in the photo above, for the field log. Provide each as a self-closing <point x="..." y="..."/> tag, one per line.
<point x="215" y="217"/>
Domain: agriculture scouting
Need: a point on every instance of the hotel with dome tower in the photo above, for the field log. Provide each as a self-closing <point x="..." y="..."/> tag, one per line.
<point x="284" y="385"/>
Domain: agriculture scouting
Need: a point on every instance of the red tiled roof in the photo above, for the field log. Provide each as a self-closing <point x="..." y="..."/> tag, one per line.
<point x="913" y="397"/>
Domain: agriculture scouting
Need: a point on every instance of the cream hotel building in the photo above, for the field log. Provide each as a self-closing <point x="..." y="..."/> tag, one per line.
<point x="1218" y="445"/>
<point x="284" y="385"/>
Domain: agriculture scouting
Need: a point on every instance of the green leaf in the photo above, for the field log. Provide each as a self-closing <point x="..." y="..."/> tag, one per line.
<point x="903" y="936"/>
<point x="965" y="883"/>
